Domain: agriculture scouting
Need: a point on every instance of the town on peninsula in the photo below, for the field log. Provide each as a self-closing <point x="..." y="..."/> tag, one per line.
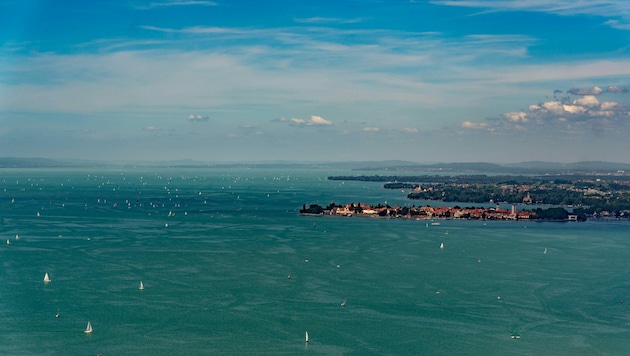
<point x="567" y="197"/>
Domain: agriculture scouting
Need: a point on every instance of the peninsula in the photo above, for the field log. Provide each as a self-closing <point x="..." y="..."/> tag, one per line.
<point x="444" y="212"/>
<point x="592" y="195"/>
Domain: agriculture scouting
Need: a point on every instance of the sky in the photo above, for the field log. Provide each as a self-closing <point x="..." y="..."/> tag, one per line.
<point x="289" y="80"/>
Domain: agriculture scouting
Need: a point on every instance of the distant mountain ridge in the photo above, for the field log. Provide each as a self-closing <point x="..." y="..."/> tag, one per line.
<point x="31" y="162"/>
<point x="530" y="167"/>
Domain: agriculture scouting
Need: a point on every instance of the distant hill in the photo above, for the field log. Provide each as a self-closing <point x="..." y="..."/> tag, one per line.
<point x="14" y="162"/>
<point x="531" y="167"/>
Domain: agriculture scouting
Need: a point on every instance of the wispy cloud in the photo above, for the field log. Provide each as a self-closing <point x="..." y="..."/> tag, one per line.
<point x="371" y="129"/>
<point x="595" y="91"/>
<point x="152" y="128"/>
<point x="153" y="5"/>
<point x="334" y="67"/>
<point x="474" y="125"/>
<point x="198" y="30"/>
<point x="250" y="130"/>
<point x="327" y="20"/>
<point x="618" y="24"/>
<point x="616" y="9"/>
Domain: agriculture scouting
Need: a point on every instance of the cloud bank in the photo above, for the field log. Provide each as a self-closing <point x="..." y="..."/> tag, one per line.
<point x="566" y="116"/>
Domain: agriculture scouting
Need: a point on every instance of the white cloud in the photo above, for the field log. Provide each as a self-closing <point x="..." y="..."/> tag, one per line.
<point x="616" y="89"/>
<point x="410" y="130"/>
<point x="555" y="107"/>
<point x="574" y="109"/>
<point x="587" y="100"/>
<point x="610" y="105"/>
<point x="371" y="129"/>
<point x="313" y="121"/>
<point x="516" y="116"/>
<point x="474" y="125"/>
<point x="198" y="118"/>
<point x="317" y="120"/>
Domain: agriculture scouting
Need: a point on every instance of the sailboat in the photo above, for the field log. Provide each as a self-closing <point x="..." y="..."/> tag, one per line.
<point x="88" y="329"/>
<point x="306" y="336"/>
<point x="442" y="246"/>
<point x="46" y="278"/>
<point x="141" y="286"/>
<point x="545" y="252"/>
<point x="8" y="242"/>
<point x="57" y="315"/>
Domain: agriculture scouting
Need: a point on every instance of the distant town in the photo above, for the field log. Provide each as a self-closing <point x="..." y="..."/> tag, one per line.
<point x="443" y="212"/>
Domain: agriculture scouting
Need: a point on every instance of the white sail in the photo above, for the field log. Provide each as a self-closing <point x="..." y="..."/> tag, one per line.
<point x="88" y="329"/>
<point x="306" y="336"/>
<point x="545" y="252"/>
<point x="46" y="278"/>
<point x="141" y="286"/>
<point x="442" y="245"/>
<point x="8" y="242"/>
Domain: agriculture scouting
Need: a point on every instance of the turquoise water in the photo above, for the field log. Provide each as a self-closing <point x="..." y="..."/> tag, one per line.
<point x="216" y="271"/>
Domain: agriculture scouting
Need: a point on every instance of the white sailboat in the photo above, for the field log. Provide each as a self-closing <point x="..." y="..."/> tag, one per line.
<point x="141" y="286"/>
<point x="545" y="252"/>
<point x="442" y="246"/>
<point x="8" y="242"/>
<point x="46" y="278"/>
<point x="88" y="329"/>
<point x="306" y="332"/>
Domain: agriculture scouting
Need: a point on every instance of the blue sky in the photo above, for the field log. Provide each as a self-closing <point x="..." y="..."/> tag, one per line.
<point x="426" y="81"/>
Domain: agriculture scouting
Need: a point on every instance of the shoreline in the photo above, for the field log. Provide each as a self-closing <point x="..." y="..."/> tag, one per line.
<point x="426" y="213"/>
